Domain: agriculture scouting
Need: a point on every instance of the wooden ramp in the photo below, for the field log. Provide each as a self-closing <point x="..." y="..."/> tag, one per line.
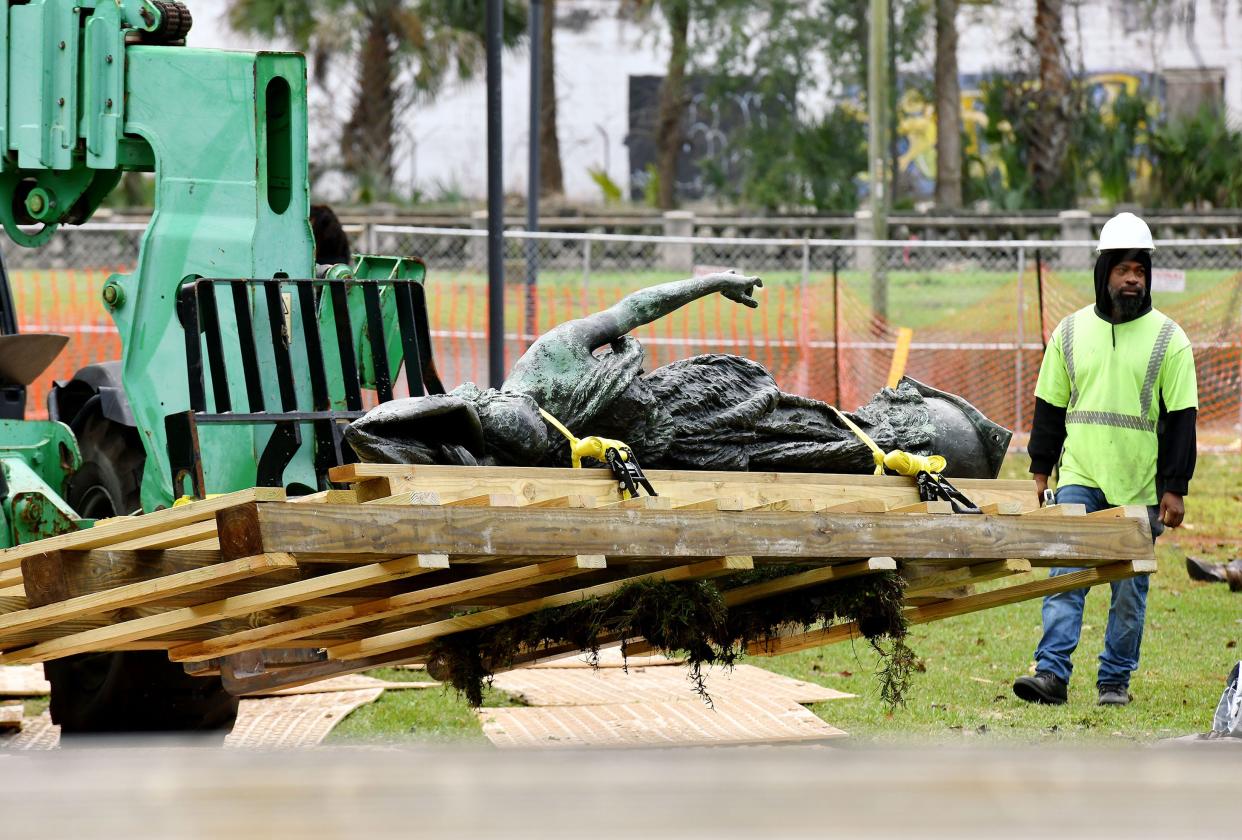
<point x="347" y="580"/>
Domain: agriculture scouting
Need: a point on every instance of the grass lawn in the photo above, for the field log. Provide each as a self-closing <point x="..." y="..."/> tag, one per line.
<point x="963" y="692"/>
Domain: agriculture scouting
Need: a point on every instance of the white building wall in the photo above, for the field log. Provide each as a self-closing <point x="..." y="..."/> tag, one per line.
<point x="442" y="147"/>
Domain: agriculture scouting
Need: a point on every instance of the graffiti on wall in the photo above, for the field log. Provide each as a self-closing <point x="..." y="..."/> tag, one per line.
<point x="917" y="123"/>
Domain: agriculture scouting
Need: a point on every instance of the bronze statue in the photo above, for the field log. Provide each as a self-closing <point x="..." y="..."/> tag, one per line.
<point x="714" y="411"/>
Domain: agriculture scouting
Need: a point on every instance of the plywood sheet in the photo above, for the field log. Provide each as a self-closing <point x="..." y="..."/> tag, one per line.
<point x="606" y="686"/>
<point x="349" y="682"/>
<point x="300" y="720"/>
<point x="23" y="681"/>
<point x="38" y="733"/>
<point x="681" y="724"/>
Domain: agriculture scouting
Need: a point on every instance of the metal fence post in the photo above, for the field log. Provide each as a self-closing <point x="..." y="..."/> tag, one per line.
<point x="804" y="322"/>
<point x="836" y="329"/>
<point x="586" y="276"/>
<point x="1018" y="384"/>
<point x="1039" y="288"/>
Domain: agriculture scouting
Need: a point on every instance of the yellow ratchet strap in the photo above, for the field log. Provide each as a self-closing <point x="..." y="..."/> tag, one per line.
<point x="588" y="447"/>
<point x="902" y="463"/>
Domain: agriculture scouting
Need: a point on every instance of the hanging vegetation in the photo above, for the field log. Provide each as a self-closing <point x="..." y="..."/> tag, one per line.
<point x="689" y="619"/>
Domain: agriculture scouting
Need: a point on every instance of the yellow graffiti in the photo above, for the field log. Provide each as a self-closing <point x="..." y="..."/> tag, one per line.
<point x="917" y="123"/>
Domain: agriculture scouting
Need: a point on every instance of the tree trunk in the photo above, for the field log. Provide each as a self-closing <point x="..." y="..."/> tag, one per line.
<point x="551" y="181"/>
<point x="948" y="109"/>
<point x="1050" y="131"/>
<point x="670" y="132"/>
<point x="367" y="139"/>
<point x="894" y="112"/>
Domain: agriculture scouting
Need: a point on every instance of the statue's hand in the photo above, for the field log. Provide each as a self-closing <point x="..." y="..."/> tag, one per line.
<point x="739" y="288"/>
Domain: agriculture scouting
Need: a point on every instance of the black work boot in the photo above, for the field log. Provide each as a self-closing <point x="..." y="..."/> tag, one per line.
<point x="1114" y="695"/>
<point x="1041" y="688"/>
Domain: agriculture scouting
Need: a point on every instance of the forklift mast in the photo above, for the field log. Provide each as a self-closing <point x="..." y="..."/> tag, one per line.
<point x="94" y="88"/>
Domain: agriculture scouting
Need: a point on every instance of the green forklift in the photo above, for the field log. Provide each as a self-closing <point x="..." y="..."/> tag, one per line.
<point x="241" y="358"/>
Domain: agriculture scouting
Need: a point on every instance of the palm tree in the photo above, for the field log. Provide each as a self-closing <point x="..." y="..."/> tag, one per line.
<point x="948" y="109"/>
<point x="551" y="179"/>
<point x="670" y="116"/>
<point x="1050" y="131"/>
<point x="423" y="41"/>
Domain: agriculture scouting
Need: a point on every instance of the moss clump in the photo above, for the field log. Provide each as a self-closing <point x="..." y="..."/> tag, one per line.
<point x="689" y="619"/>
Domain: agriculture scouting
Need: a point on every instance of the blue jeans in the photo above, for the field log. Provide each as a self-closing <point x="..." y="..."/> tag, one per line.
<point x="1063" y="611"/>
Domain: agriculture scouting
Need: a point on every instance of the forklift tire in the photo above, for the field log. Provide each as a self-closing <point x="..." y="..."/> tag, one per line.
<point x="136" y="692"/>
<point x="109" y="482"/>
<point x="126" y="691"/>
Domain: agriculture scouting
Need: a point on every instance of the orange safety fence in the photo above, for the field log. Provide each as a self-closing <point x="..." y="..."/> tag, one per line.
<point x="822" y="335"/>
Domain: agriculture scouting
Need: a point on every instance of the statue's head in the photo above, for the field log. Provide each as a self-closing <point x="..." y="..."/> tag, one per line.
<point x="973" y="445"/>
<point x="468" y="426"/>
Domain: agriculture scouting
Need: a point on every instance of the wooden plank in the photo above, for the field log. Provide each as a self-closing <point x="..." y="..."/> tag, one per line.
<point x="1069" y="509"/>
<point x="937" y="508"/>
<point x="1002" y="508"/>
<point x="201" y="535"/>
<point x="799" y="505"/>
<point x="978" y="573"/>
<point x="430" y="474"/>
<point x="145" y="591"/>
<point x="60" y="575"/>
<point x="1121" y="512"/>
<point x="415" y="497"/>
<point x="405" y="603"/>
<point x="798" y="580"/>
<point x="13" y="591"/>
<point x="336" y="530"/>
<point x="104" y="638"/>
<point x="397" y="640"/>
<point x="961" y="606"/>
<point x="856" y="506"/>
<point x="534" y="483"/>
<point x="640" y="503"/>
<point x="495" y="500"/>
<point x="10" y="578"/>
<point x="577" y="501"/>
<point x="172" y="538"/>
<point x="711" y="504"/>
<point x="11" y="717"/>
<point x="132" y="527"/>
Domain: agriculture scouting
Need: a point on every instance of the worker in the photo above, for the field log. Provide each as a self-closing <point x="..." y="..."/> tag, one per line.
<point x="1115" y="410"/>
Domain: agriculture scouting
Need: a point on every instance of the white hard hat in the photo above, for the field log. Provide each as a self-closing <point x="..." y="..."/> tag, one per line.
<point x="1125" y="231"/>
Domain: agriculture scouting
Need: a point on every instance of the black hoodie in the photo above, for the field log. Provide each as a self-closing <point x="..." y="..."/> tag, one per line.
<point x="1104" y="265"/>
<point x="1175" y="431"/>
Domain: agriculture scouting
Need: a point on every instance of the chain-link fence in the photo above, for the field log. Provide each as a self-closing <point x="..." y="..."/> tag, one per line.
<point x="827" y="325"/>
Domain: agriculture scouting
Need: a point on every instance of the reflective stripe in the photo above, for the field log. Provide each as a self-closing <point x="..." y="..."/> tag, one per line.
<point x="1108" y="418"/>
<point x="1154" y="363"/>
<point x="1067" y="350"/>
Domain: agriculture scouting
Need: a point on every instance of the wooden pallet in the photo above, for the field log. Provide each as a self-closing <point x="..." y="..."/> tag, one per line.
<point x="375" y="574"/>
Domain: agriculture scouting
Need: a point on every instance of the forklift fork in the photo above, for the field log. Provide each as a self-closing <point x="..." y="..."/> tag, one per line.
<point x="199" y="311"/>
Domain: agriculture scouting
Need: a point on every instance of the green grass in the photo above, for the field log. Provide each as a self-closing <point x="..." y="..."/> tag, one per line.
<point x="969" y="662"/>
<point x="428" y="714"/>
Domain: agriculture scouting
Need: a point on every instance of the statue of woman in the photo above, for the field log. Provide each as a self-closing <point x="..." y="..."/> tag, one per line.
<point x="714" y="411"/>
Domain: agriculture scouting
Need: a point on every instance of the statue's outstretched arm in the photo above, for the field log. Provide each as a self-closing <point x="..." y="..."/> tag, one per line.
<point x="651" y="304"/>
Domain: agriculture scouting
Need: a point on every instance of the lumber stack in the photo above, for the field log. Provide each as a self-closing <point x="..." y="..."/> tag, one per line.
<point x="351" y="579"/>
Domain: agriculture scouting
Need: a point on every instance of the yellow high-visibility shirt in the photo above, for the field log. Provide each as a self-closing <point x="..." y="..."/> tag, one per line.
<point x="1112" y="379"/>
